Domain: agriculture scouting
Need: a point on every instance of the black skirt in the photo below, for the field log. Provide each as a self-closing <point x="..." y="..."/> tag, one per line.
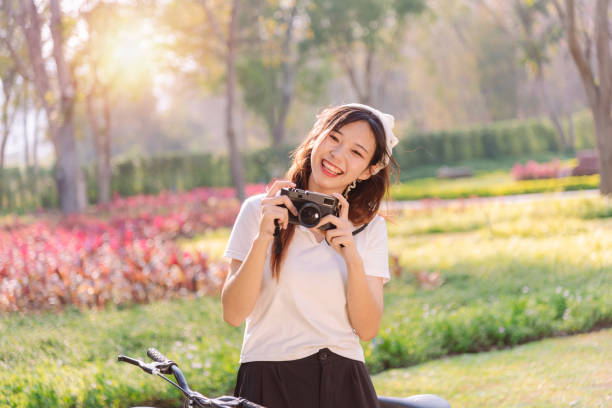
<point x="322" y="380"/>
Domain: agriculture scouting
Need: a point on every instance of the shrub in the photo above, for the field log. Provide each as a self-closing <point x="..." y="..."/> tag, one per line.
<point x="533" y="170"/>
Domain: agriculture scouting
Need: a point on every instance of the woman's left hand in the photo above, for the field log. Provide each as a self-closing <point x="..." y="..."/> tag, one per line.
<point x="343" y="233"/>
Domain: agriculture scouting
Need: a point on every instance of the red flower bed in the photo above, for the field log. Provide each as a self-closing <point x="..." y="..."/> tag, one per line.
<point x="128" y="255"/>
<point x="533" y="170"/>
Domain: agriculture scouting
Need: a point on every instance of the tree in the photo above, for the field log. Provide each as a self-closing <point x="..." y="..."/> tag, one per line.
<point x="267" y="70"/>
<point x="535" y="32"/>
<point x="56" y="92"/>
<point x="213" y="41"/>
<point x="539" y="33"/>
<point x="9" y="78"/>
<point x="596" y="75"/>
<point x="496" y="56"/>
<point x="361" y="33"/>
<point x="280" y="65"/>
<point x="100" y="76"/>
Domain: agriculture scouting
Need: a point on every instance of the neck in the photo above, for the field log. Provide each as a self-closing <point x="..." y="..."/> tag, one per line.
<point x="312" y="186"/>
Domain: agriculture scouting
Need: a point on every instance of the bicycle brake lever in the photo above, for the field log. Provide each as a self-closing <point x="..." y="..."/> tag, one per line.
<point x="148" y="368"/>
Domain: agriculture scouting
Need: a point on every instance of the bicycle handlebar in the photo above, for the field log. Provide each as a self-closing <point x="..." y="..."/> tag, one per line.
<point x="164" y="366"/>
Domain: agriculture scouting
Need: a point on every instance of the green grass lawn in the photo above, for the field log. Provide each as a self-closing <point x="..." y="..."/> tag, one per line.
<point x="571" y="371"/>
<point x="510" y="273"/>
<point x="497" y="183"/>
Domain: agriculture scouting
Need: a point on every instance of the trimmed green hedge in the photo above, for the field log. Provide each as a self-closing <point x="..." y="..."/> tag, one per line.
<point x="503" y="139"/>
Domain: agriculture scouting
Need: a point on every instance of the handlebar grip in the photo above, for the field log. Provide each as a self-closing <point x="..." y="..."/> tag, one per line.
<point x="155" y="355"/>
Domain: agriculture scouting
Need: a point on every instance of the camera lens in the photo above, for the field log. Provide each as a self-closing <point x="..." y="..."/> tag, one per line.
<point x="309" y="215"/>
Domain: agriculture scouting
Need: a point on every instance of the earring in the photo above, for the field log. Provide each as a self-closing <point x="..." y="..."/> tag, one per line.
<point x="349" y="188"/>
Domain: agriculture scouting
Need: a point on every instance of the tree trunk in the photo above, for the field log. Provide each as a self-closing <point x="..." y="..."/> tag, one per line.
<point x="67" y="169"/>
<point x="288" y="74"/>
<point x="101" y="137"/>
<point x="26" y="142"/>
<point x="570" y="130"/>
<point x="235" y="159"/>
<point x="598" y="89"/>
<point x="603" y="133"/>
<point x="35" y="153"/>
<point x="7" y="121"/>
<point x="3" y="192"/>
<point x="70" y="178"/>
<point x="104" y="156"/>
<point x="59" y="105"/>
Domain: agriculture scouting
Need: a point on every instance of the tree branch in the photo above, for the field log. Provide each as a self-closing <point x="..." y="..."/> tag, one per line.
<point x="8" y="42"/>
<point x="348" y="67"/>
<point x="583" y="65"/>
<point x="213" y="21"/>
<point x="28" y="20"/>
<point x="17" y="59"/>
<point x="66" y="87"/>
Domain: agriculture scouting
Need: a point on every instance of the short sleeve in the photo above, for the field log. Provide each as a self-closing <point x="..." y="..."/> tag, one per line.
<point x="376" y="254"/>
<point x="245" y="229"/>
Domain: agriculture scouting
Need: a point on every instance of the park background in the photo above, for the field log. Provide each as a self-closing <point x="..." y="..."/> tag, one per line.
<point x="132" y="130"/>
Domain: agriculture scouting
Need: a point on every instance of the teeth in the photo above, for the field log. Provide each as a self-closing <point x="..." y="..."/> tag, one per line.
<point x="331" y="167"/>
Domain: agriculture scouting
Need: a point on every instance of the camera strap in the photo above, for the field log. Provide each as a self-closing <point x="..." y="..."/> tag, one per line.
<point x="358" y="230"/>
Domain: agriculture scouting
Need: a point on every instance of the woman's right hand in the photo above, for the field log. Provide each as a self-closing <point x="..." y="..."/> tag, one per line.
<point x="271" y="210"/>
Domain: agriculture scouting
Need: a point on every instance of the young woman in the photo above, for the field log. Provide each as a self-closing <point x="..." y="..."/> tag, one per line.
<point x="309" y="296"/>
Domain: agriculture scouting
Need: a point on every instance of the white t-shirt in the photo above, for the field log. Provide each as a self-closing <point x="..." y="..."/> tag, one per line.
<point x="307" y="309"/>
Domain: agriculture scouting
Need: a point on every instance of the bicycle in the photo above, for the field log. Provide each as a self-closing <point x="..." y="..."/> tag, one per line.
<point x="162" y="365"/>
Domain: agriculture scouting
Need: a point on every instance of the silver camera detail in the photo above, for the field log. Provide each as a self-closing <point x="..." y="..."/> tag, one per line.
<point x="311" y="207"/>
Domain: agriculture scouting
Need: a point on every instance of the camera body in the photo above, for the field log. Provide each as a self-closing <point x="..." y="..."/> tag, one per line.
<point x="311" y="207"/>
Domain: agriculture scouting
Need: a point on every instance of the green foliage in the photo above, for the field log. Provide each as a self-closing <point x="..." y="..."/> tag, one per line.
<point x="584" y="130"/>
<point x="364" y="21"/>
<point x="496" y="55"/>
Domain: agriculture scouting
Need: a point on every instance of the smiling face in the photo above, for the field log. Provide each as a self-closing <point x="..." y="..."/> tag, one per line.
<point x="341" y="156"/>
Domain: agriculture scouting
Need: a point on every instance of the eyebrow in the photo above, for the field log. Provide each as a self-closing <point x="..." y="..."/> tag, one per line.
<point x="358" y="145"/>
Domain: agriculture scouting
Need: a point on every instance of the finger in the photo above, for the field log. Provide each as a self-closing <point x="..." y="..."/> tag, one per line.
<point x="328" y="218"/>
<point x="339" y="242"/>
<point x="336" y="232"/>
<point x="344" y="205"/>
<point x="277" y="213"/>
<point x="281" y="200"/>
<point x="277" y="185"/>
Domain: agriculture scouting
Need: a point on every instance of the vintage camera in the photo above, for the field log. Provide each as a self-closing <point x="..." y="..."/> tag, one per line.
<point x="311" y="207"/>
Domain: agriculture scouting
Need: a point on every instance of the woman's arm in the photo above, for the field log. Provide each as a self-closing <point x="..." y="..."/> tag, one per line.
<point x="243" y="283"/>
<point x="364" y="298"/>
<point x="364" y="293"/>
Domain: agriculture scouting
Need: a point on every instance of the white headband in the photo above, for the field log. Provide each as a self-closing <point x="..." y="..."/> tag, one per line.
<point x="388" y="121"/>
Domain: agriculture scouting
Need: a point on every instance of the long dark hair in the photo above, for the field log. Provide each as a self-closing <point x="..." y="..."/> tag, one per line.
<point x="364" y="200"/>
